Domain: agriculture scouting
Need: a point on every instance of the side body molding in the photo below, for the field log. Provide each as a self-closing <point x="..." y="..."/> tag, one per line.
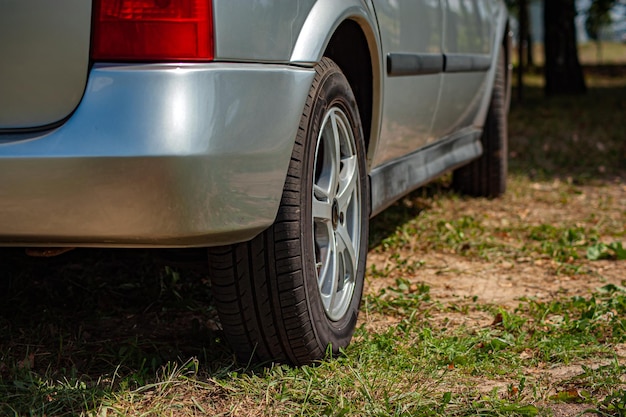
<point x="403" y="175"/>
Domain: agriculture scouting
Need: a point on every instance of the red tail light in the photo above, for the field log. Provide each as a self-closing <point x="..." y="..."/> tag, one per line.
<point x="152" y="30"/>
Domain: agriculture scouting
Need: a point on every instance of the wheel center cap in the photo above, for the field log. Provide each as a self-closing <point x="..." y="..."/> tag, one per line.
<point x="335" y="215"/>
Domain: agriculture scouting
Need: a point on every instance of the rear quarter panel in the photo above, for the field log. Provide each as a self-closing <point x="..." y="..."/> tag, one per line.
<point x="44" y="58"/>
<point x="261" y="30"/>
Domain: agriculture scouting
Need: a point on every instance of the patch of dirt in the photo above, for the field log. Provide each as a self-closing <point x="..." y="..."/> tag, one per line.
<point x="570" y="410"/>
<point x="453" y="278"/>
<point x="565" y="372"/>
<point x="504" y="281"/>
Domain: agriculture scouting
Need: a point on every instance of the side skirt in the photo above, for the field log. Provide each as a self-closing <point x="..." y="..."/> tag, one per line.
<point x="403" y="175"/>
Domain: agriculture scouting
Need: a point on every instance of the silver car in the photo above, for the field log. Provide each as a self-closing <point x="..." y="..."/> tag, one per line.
<point x="269" y="131"/>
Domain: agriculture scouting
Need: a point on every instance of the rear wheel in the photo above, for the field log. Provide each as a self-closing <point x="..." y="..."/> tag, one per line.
<point x="486" y="176"/>
<point x="293" y="292"/>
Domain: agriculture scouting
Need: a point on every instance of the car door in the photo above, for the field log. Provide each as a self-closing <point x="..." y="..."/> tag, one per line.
<point x="467" y="46"/>
<point x="411" y="34"/>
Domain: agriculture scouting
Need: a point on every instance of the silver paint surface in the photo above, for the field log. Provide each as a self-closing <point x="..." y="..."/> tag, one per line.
<point x="196" y="154"/>
<point x="167" y="155"/>
<point x="44" y="55"/>
<point x="470" y="28"/>
<point x="410" y="103"/>
<point x="258" y="30"/>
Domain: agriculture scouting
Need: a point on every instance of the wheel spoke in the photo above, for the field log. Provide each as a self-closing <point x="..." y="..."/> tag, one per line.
<point x="336" y="299"/>
<point x="335" y="157"/>
<point x="327" y="279"/>
<point x="348" y="182"/>
<point x="343" y="285"/>
<point x="324" y="236"/>
<point x="322" y="204"/>
<point x="346" y="246"/>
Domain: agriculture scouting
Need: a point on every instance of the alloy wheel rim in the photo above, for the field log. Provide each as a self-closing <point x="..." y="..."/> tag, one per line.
<point x="336" y="213"/>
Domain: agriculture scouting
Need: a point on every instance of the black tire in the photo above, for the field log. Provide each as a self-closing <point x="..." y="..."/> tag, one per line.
<point x="266" y="291"/>
<point x="486" y="176"/>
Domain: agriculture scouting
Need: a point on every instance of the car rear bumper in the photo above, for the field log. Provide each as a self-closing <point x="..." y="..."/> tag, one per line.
<point x="156" y="155"/>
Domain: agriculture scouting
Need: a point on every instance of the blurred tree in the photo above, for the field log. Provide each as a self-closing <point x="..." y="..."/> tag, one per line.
<point x="562" y="70"/>
<point x="598" y="17"/>
<point x="524" y="43"/>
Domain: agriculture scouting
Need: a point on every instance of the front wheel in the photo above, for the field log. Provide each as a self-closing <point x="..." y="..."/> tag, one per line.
<point x="293" y="292"/>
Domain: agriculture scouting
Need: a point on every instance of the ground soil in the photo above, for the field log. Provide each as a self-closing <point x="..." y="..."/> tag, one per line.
<point x="465" y="280"/>
<point x="505" y="281"/>
<point x="454" y="278"/>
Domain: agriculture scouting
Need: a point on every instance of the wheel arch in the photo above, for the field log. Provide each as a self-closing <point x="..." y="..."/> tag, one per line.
<point x="347" y="33"/>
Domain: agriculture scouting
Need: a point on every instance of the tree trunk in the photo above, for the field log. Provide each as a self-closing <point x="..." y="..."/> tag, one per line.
<point x="521" y="44"/>
<point x="563" y="72"/>
<point x="530" y="61"/>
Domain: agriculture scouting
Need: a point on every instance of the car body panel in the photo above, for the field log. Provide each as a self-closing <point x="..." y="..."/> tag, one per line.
<point x="462" y="106"/>
<point x="460" y="100"/>
<point x="197" y="164"/>
<point x="323" y="20"/>
<point x="410" y="102"/>
<point x="44" y="58"/>
<point x="298" y="34"/>
<point x="176" y="155"/>
<point x="324" y="17"/>
<point x="258" y="31"/>
<point x="500" y="41"/>
<point x="470" y="26"/>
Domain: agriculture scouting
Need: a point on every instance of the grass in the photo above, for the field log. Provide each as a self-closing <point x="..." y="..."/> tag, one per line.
<point x="508" y="307"/>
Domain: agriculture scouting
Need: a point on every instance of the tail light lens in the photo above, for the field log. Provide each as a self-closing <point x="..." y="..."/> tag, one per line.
<point x="149" y="30"/>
